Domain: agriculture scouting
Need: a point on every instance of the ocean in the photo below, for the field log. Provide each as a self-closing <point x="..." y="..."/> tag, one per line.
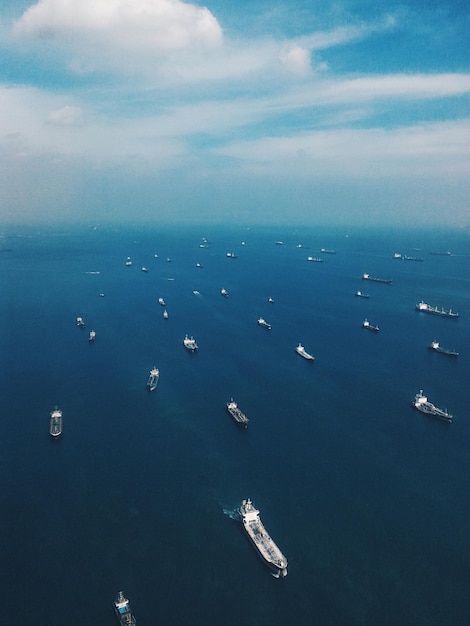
<point x="367" y="497"/>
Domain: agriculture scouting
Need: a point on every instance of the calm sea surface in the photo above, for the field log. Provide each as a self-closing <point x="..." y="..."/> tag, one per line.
<point x="368" y="499"/>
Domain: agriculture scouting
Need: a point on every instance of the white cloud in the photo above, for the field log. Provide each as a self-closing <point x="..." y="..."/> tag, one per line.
<point x="66" y="116"/>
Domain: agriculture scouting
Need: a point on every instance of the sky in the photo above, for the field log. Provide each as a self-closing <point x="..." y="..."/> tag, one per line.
<point x="302" y="112"/>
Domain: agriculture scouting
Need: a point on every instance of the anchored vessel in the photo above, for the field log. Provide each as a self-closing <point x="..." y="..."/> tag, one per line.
<point x="387" y="281"/>
<point x="224" y="292"/>
<point x="325" y="251"/>
<point x="55" y="423"/>
<point x="314" y="259"/>
<point x="366" y="324"/>
<point x="266" y="547"/>
<point x="80" y="322"/>
<point x="427" y="308"/>
<point x="434" y="345"/>
<point x="421" y="403"/>
<point x="262" y="322"/>
<point x="301" y="350"/>
<point x="161" y="301"/>
<point x="165" y="314"/>
<point x="122" y="609"/>
<point x="91" y="336"/>
<point x="153" y="378"/>
<point x="128" y="261"/>
<point x="190" y="343"/>
<point x="238" y="416"/>
<point x="359" y="294"/>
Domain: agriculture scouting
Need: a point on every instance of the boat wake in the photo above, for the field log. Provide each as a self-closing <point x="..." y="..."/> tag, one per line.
<point x="232" y="513"/>
<point x="92" y="272"/>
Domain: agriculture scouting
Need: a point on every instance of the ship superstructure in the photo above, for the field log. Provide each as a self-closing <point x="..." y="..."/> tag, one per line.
<point x="260" y="538"/>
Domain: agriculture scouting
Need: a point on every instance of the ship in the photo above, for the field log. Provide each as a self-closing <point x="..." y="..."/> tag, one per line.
<point x="271" y="300"/>
<point x="264" y="544"/>
<point x="262" y="322"/>
<point x="190" y="344"/>
<point x="301" y="350"/>
<point x="165" y="314"/>
<point x="161" y="301"/>
<point x="122" y="609"/>
<point x="386" y="281"/>
<point x="91" y="336"/>
<point x="326" y="251"/>
<point x="231" y="255"/>
<point x="224" y="292"/>
<point x="128" y="261"/>
<point x="434" y="310"/>
<point x="444" y="253"/>
<point x="80" y="322"/>
<point x="421" y="403"/>
<point x="368" y="326"/>
<point x="238" y="416"/>
<point x="359" y="294"/>
<point x="144" y="269"/>
<point x="55" y="423"/>
<point x="153" y="379"/>
<point x="434" y="345"/>
<point x="314" y="259"/>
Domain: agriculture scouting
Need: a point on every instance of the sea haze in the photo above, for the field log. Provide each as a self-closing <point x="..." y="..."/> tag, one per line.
<point x="366" y="497"/>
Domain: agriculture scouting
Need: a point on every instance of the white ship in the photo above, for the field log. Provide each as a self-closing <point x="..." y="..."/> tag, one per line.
<point x="265" y="545"/>
<point x="190" y="344"/>
<point x="161" y="301"/>
<point x="92" y="336"/>
<point x="434" y="310"/>
<point x="262" y="322"/>
<point x="236" y="413"/>
<point x="301" y="350"/>
<point x="421" y="403"/>
<point x="368" y="326"/>
<point x="224" y="292"/>
<point x="55" y="423"/>
<point x="80" y="322"/>
<point x="128" y="261"/>
<point x="165" y="314"/>
<point x="153" y="379"/>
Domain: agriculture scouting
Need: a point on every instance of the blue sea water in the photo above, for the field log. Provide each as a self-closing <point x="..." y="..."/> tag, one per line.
<point x="366" y="497"/>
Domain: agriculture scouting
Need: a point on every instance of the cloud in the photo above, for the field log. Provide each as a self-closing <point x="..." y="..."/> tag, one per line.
<point x="66" y="116"/>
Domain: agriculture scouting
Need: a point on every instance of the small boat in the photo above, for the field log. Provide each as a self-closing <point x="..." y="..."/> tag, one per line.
<point x="368" y="326"/>
<point x="152" y="381"/>
<point x="262" y="322"/>
<point x="434" y="310"/>
<point x="434" y="345"/>
<point x="165" y="314"/>
<point x="80" y="322"/>
<point x="231" y="255"/>
<point x="122" y="609"/>
<point x="238" y="416"/>
<point x="92" y="336"/>
<point x="301" y="350"/>
<point x="224" y="292"/>
<point x="55" y="423"/>
<point x="101" y="295"/>
<point x="161" y="301"/>
<point x="128" y="261"/>
<point x="279" y="243"/>
<point x="271" y="300"/>
<point x="198" y="265"/>
<point x="359" y="294"/>
<point x="190" y="344"/>
<point x="421" y="403"/>
<point x="144" y="269"/>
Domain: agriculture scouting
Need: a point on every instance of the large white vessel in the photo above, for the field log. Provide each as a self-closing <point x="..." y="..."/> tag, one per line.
<point x="421" y="403"/>
<point x="152" y="381"/>
<point x="434" y="310"/>
<point x="301" y="350"/>
<point x="262" y="322"/>
<point x="265" y="545"/>
<point x="122" y="608"/>
<point x="238" y="416"/>
<point x="190" y="344"/>
<point x="55" y="423"/>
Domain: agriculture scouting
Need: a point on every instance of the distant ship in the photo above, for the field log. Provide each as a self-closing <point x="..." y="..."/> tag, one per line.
<point x="128" y="261"/>
<point x="55" y="423"/>
<point x="386" y="281"/>
<point x="161" y="301"/>
<point x="153" y="379"/>
<point x="91" y="336"/>
<point x="279" y="243"/>
<point x="405" y="257"/>
<point x="265" y="545"/>
<point x="427" y="308"/>
<point x="224" y="292"/>
<point x="231" y="255"/>
<point x="359" y="294"/>
<point x="238" y="416"/>
<point x="301" y="350"/>
<point x="421" y="403"/>
<point x="262" y="322"/>
<point x="190" y="344"/>
<point x="144" y="269"/>
<point x="325" y="251"/>
<point x="434" y="345"/>
<point x="314" y="259"/>
<point x="165" y="314"/>
<point x="271" y="300"/>
<point x="122" y="609"/>
<point x="368" y="326"/>
<point x="446" y="253"/>
<point x="80" y="322"/>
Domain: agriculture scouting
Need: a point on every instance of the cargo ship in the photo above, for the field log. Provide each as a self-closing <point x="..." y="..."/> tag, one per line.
<point x="122" y="608"/>
<point x="303" y="352"/>
<point x="92" y="336"/>
<point x="421" y="403"/>
<point x="262" y="322"/>
<point x="152" y="381"/>
<point x="80" y="322"/>
<point x="314" y="259"/>
<point x="55" y="423"/>
<point x="224" y="292"/>
<point x="238" y="416"/>
<point x="264" y="544"/>
<point x="359" y="294"/>
<point x="434" y="345"/>
<point x="386" y="281"/>
<point x="368" y="326"/>
<point x="434" y="310"/>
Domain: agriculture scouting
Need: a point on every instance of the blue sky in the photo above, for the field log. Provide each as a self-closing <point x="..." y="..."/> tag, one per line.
<point x="301" y="112"/>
